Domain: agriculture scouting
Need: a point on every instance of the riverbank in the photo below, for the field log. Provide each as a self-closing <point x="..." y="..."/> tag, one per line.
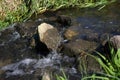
<point x="18" y="11"/>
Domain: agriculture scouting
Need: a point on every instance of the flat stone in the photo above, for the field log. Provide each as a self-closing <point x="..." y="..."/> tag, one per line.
<point x="75" y="32"/>
<point x="70" y="33"/>
<point x="78" y="47"/>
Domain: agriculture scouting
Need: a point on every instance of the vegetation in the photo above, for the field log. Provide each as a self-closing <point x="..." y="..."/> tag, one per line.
<point x="111" y="66"/>
<point x="26" y="8"/>
<point x="63" y="77"/>
<point x="11" y="15"/>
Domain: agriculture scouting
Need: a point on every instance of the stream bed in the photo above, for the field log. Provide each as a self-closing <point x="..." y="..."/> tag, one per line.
<point x="19" y="60"/>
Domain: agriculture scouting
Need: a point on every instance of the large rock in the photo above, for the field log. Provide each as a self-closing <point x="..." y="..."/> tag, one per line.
<point x="42" y="28"/>
<point x="87" y="63"/>
<point x="113" y="42"/>
<point x="49" y="35"/>
<point x="13" y="46"/>
<point x="78" y="47"/>
<point x="77" y="31"/>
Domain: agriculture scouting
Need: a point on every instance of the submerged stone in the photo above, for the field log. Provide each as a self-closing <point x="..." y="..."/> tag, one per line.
<point x="64" y="20"/>
<point x="78" y="47"/>
<point x="71" y="32"/>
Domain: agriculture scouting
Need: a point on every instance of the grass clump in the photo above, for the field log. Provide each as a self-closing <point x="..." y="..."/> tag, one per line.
<point x="111" y="66"/>
<point x="12" y="12"/>
<point x="41" y="6"/>
<point x="63" y="77"/>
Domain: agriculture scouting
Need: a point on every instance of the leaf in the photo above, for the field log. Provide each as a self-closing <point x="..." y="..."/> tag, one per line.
<point x="117" y="58"/>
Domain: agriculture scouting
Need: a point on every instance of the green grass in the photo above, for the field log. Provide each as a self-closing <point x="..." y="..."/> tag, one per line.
<point x="63" y="77"/>
<point x="25" y="10"/>
<point x="111" y="66"/>
<point x="18" y="15"/>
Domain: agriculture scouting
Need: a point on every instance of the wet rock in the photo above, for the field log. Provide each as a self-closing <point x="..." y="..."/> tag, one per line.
<point x="5" y="62"/>
<point x="112" y="42"/>
<point x="93" y="65"/>
<point x="70" y="33"/>
<point x="13" y="46"/>
<point x="46" y="76"/>
<point x="24" y="77"/>
<point x="28" y="32"/>
<point x="26" y="29"/>
<point x="9" y="35"/>
<point x="75" y="32"/>
<point x="115" y="41"/>
<point x="42" y="28"/>
<point x="78" y="47"/>
<point x="64" y="20"/>
<point x="104" y="37"/>
<point x="92" y="37"/>
<point x="37" y="45"/>
<point x="88" y="64"/>
<point x="49" y="35"/>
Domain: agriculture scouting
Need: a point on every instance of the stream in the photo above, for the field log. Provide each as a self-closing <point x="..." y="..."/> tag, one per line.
<point x="21" y="61"/>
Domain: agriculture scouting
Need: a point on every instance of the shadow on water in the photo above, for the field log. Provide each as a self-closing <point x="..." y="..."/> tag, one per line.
<point x="106" y="20"/>
<point x="14" y="42"/>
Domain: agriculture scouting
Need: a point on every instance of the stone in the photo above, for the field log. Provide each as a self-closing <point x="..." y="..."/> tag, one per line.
<point x="64" y="20"/>
<point x="49" y="35"/>
<point x="13" y="47"/>
<point x="26" y="29"/>
<point x="78" y="47"/>
<point x="87" y="63"/>
<point x="46" y="76"/>
<point x="74" y="32"/>
<point x="70" y="33"/>
<point x="115" y="41"/>
<point x="42" y="28"/>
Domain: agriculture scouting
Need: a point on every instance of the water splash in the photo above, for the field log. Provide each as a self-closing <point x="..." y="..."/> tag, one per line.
<point x="28" y="66"/>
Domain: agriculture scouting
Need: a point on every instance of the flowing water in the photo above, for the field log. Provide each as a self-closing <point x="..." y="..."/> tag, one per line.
<point x="20" y="62"/>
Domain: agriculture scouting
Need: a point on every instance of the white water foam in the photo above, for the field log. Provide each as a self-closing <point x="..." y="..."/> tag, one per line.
<point x="28" y="66"/>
